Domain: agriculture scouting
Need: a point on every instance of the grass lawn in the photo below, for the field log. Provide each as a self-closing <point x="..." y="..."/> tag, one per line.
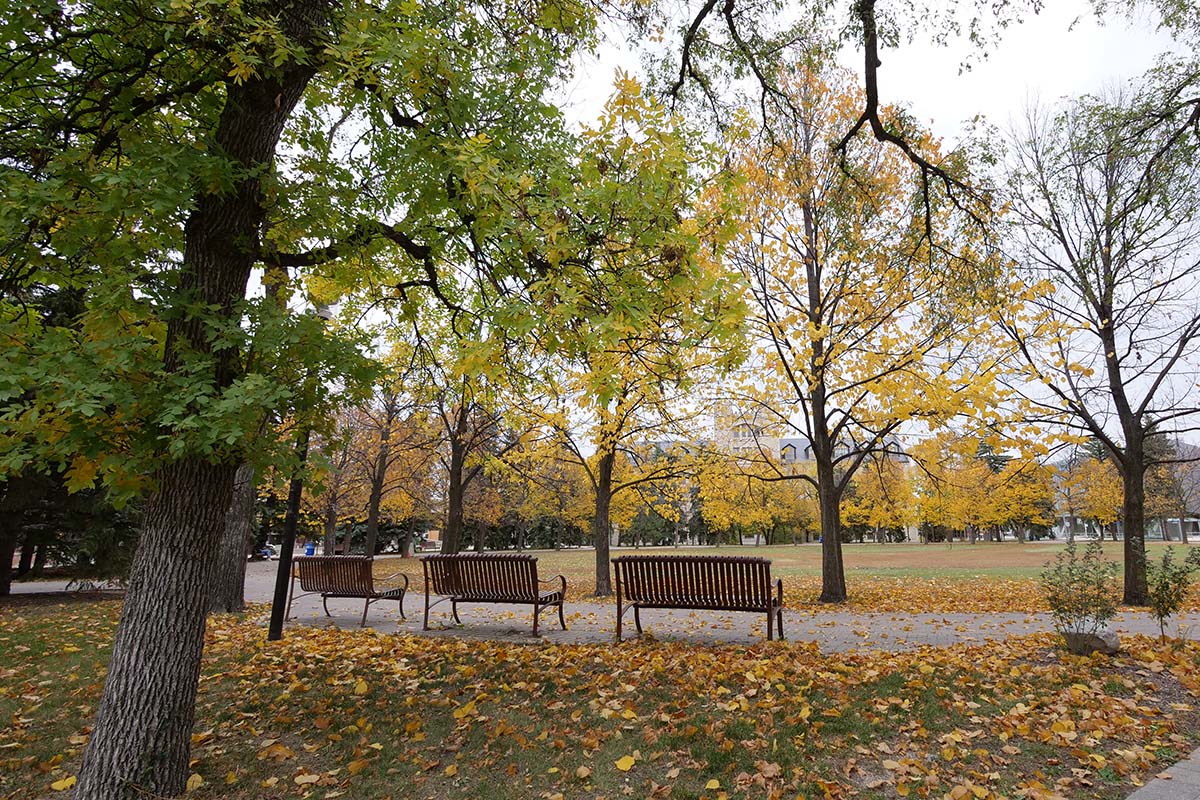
<point x="353" y="713"/>
<point x="893" y="578"/>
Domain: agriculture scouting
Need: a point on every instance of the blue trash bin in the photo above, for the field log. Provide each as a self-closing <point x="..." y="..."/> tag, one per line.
<point x="310" y="549"/>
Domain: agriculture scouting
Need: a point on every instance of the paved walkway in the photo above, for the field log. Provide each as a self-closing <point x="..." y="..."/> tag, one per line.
<point x="1180" y="782"/>
<point x="594" y="622"/>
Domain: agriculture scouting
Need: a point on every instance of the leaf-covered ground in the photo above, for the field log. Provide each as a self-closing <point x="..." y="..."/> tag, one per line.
<point x="329" y="713"/>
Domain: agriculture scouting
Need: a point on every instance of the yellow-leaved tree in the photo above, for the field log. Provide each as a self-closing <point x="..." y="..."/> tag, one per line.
<point x="640" y="306"/>
<point x="867" y="291"/>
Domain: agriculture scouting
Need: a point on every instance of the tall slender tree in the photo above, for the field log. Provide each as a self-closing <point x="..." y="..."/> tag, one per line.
<point x="867" y="294"/>
<point x="1106" y="209"/>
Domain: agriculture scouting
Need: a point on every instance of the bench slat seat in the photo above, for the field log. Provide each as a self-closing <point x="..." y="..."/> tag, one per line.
<point x="717" y="583"/>
<point x="342" y="577"/>
<point x="490" y="578"/>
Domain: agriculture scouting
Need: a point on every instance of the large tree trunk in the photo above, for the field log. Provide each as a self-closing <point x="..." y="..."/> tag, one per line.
<point x="229" y="584"/>
<point x="140" y="742"/>
<point x="144" y="724"/>
<point x="602" y="523"/>
<point x="1134" y="519"/>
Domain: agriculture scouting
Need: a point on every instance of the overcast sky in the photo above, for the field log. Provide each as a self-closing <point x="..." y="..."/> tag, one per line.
<point x="1062" y="51"/>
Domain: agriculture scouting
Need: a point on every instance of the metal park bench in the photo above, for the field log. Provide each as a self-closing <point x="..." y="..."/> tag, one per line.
<point x="342" y="576"/>
<point x="718" y="583"/>
<point x="490" y="578"/>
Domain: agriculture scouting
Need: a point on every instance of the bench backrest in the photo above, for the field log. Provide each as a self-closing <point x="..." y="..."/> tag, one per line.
<point x="349" y="574"/>
<point x="495" y="576"/>
<point x="733" y="582"/>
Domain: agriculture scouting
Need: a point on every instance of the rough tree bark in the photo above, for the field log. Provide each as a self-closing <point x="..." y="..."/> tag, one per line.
<point x="329" y="540"/>
<point x="1133" y="475"/>
<point x="602" y="522"/>
<point x="229" y="586"/>
<point x="454" y="498"/>
<point x="378" y="476"/>
<point x="140" y="743"/>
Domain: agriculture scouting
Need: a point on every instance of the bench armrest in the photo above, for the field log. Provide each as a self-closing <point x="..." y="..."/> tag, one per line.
<point x="779" y="590"/>
<point x="562" y="582"/>
<point x="386" y="578"/>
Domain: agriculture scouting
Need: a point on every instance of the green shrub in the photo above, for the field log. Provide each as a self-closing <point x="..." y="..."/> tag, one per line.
<point x="1081" y="590"/>
<point x="1167" y="584"/>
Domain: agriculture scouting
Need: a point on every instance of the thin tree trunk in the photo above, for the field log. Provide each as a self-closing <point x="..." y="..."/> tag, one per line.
<point x="229" y="587"/>
<point x="833" y="575"/>
<point x="1133" y="517"/>
<point x="25" y="564"/>
<point x="329" y="535"/>
<point x="454" y="500"/>
<point x="601" y="523"/>
<point x="377" y="479"/>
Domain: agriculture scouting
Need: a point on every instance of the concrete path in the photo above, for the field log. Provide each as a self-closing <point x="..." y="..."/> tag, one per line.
<point x="594" y="622"/>
<point x="1180" y="782"/>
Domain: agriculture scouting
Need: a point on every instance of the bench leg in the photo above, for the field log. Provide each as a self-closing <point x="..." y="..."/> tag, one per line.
<point x="536" y="613"/>
<point x="619" y="615"/>
<point x="366" y="606"/>
<point x="325" y="603"/>
<point x="770" y="625"/>
<point x="400" y="603"/>
<point x="291" y="592"/>
<point x="561" y="621"/>
<point x="454" y="611"/>
<point x="779" y="626"/>
<point x="425" y="624"/>
<point x="637" y="618"/>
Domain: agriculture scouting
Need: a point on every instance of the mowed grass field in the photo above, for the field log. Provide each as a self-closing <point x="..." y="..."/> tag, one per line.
<point x="987" y="576"/>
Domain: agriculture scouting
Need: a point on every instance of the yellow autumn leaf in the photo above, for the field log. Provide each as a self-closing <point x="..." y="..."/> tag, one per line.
<point x="361" y="687"/>
<point x="451" y="770"/>
<point x="356" y="766"/>
<point x="625" y="763"/>
<point x="306" y="778"/>
<point x="194" y="782"/>
<point x="64" y="784"/>
<point x="583" y="773"/>
<point x="713" y="783"/>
